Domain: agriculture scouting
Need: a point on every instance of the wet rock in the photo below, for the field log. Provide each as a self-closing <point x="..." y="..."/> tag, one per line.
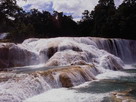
<point x="21" y="57"/>
<point x="80" y="62"/>
<point x="4" y="54"/>
<point x="68" y="76"/>
<point x="52" y="63"/>
<point x="123" y="96"/>
<point x="65" y="80"/>
<point x="51" y="51"/>
<point x="3" y="65"/>
<point x="114" y="63"/>
<point x="109" y="62"/>
<point x="12" y="55"/>
<point x="74" y="48"/>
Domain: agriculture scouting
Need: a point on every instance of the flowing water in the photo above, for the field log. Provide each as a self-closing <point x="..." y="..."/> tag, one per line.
<point x="3" y="35"/>
<point x="68" y="70"/>
<point x="101" y="90"/>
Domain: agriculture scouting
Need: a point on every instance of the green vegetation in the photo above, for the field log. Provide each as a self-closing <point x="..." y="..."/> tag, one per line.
<point x="107" y="21"/>
<point x="104" y="21"/>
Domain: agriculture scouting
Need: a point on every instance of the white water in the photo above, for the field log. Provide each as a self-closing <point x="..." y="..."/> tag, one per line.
<point x="125" y="49"/>
<point x="17" y="87"/>
<point x="20" y="87"/>
<point x="3" y="35"/>
<point x="69" y="51"/>
<point x="66" y="95"/>
<point x="75" y="95"/>
<point x="98" y="56"/>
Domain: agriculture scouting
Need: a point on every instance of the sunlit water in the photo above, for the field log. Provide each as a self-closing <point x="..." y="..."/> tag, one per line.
<point x="76" y="61"/>
<point x="96" y="91"/>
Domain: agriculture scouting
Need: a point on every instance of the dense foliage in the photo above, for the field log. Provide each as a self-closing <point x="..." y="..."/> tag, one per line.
<point x="108" y="21"/>
<point x="104" y="21"/>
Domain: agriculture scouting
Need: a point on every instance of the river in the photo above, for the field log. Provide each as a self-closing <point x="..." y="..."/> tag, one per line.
<point x="68" y="69"/>
<point x="117" y="86"/>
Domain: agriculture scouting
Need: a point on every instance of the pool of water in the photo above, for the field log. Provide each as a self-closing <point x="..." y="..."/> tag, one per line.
<point x="107" y="88"/>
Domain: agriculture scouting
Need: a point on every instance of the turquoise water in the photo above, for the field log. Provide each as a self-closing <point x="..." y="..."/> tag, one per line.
<point x="108" y="85"/>
<point x="95" y="91"/>
<point x="118" y="84"/>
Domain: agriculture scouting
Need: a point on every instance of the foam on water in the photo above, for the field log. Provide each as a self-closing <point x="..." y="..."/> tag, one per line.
<point x="99" y="55"/>
<point x="68" y="51"/>
<point x="116" y="47"/>
<point x="59" y="50"/>
<point x="112" y="75"/>
<point x="66" y="95"/>
<point x="20" y="87"/>
<point x="17" y="87"/>
<point x="109" y="74"/>
<point x="74" y="95"/>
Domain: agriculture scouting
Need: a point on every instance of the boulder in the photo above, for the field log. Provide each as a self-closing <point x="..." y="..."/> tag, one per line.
<point x="12" y="55"/>
<point x="65" y="80"/>
<point x="4" y="54"/>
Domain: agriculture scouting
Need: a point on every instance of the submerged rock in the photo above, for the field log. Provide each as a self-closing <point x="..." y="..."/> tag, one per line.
<point x="66" y="62"/>
<point x="71" y="75"/>
<point x="124" y="96"/>
<point x="18" y="87"/>
<point x="65" y="80"/>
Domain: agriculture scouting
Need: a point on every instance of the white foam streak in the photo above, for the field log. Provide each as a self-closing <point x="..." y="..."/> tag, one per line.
<point x="65" y="95"/>
<point x="64" y="52"/>
<point x="67" y="51"/>
<point x="112" y="75"/>
<point x="22" y="86"/>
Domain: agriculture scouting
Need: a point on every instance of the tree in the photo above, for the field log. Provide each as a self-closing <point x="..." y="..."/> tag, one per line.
<point x="102" y="16"/>
<point x="8" y="9"/>
<point x="85" y="25"/>
<point x="106" y="2"/>
<point x="132" y="2"/>
<point x="63" y="25"/>
<point x="86" y="15"/>
<point x="127" y="18"/>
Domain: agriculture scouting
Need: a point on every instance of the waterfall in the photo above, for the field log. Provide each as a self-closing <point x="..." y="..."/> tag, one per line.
<point x="65" y="51"/>
<point x="17" y="87"/>
<point x="66" y="62"/>
<point x="125" y="49"/>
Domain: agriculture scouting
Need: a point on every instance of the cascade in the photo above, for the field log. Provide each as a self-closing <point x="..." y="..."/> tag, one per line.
<point x="17" y="87"/>
<point x="125" y="49"/>
<point x="66" y="62"/>
<point x="58" y="52"/>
